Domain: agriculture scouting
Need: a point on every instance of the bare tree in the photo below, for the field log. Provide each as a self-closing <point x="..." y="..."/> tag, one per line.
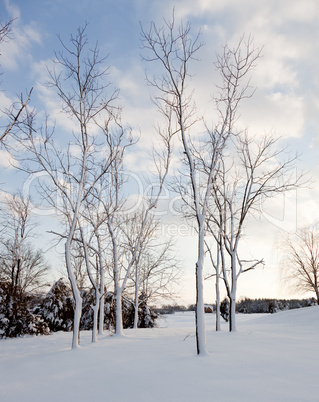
<point x="114" y="203"/>
<point x="174" y="48"/>
<point x="80" y="82"/>
<point x="301" y="263"/>
<point x="156" y="271"/>
<point x="261" y="170"/>
<point x="23" y="267"/>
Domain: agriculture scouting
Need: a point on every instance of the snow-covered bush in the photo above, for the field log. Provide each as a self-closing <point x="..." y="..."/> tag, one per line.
<point x="311" y="302"/>
<point x="16" y="317"/>
<point x="109" y="311"/>
<point x="37" y="325"/>
<point x="57" y="307"/>
<point x="273" y="307"/>
<point x="146" y="317"/>
<point x="88" y="299"/>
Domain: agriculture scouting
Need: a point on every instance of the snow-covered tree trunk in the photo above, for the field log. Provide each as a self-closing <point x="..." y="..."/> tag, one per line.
<point x="232" y="313"/>
<point x="95" y="308"/>
<point x="232" y="295"/>
<point x="118" y="311"/>
<point x="102" y="295"/>
<point x="200" y="312"/>
<point x="101" y="306"/>
<point x="135" y="326"/>
<point x="75" y="291"/>
<point x="217" y="298"/>
<point x="118" y="290"/>
<point x="136" y="298"/>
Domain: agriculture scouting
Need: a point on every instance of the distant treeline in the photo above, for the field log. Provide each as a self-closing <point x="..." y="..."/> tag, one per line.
<point x="253" y="306"/>
<point x="246" y="306"/>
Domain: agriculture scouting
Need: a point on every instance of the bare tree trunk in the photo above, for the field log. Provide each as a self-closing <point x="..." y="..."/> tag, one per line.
<point x="136" y="298"/>
<point x="232" y="295"/>
<point x="118" y="312"/>
<point x="95" y="320"/>
<point x="75" y="291"/>
<point x="200" y="313"/>
<point x="232" y="313"/>
<point x="102" y="295"/>
<point x="101" y="307"/>
<point x="217" y="299"/>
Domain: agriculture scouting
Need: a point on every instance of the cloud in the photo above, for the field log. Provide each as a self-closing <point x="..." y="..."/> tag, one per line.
<point x="12" y="9"/>
<point x="6" y="159"/>
<point x="18" y="48"/>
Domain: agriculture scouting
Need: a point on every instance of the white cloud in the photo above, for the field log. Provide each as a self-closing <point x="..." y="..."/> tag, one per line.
<point x="5" y="101"/>
<point x="282" y="113"/>
<point x="6" y="159"/>
<point x="12" y="9"/>
<point x="18" y="48"/>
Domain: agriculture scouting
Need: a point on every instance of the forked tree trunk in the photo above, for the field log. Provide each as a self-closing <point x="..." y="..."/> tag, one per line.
<point x="76" y="296"/>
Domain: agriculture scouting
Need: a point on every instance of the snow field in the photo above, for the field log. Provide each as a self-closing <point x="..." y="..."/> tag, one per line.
<point x="269" y="358"/>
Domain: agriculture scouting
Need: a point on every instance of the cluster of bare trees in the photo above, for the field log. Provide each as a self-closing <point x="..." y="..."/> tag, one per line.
<point x="228" y="171"/>
<point x="225" y="172"/>
<point x="85" y="183"/>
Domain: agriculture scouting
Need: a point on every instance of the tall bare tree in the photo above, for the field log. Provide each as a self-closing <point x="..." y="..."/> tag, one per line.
<point x="114" y="203"/>
<point x="256" y="169"/>
<point x="80" y="82"/>
<point x="174" y="48"/>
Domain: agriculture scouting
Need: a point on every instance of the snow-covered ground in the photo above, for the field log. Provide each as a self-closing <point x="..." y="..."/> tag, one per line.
<point x="270" y="358"/>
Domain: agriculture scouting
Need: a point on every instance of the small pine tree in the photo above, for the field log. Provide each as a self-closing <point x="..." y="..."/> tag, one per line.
<point x="224" y="309"/>
<point x="16" y="317"/>
<point x="88" y="299"/>
<point x="57" y="308"/>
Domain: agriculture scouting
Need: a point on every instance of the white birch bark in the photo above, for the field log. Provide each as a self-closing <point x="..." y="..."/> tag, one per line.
<point x="136" y="303"/>
<point x="200" y="312"/>
<point x="75" y="290"/>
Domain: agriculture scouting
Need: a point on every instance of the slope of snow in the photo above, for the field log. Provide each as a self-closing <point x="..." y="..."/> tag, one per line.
<point x="270" y="358"/>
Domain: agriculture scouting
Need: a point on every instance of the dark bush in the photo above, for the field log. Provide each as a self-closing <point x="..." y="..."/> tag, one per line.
<point x="16" y="316"/>
<point x="224" y="309"/>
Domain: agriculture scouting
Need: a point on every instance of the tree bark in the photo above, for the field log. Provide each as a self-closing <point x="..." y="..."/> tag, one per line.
<point x="199" y="312"/>
<point x="118" y="313"/>
<point x="217" y="300"/>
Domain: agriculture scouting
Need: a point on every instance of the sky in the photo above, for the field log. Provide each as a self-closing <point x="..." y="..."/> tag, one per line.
<point x="286" y="100"/>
